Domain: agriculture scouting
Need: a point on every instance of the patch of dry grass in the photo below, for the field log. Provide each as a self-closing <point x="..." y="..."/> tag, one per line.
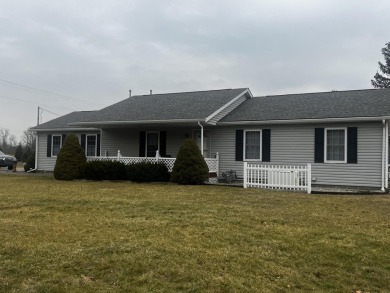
<point x="115" y="237"/>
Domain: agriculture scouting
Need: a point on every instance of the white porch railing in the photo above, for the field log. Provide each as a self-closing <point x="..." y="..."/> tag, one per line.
<point x="277" y="177"/>
<point x="212" y="163"/>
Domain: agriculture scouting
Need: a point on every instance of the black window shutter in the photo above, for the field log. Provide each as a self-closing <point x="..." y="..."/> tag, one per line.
<point x="82" y="144"/>
<point x="49" y="145"/>
<point x="239" y="145"/>
<point x="266" y="145"/>
<point x="63" y="139"/>
<point x="163" y="143"/>
<point x="142" y="141"/>
<point x="98" y="145"/>
<point x="319" y="140"/>
<point x="352" y="146"/>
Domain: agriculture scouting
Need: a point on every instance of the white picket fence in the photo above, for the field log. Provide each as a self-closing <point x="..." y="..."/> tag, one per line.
<point x="212" y="163"/>
<point x="278" y="176"/>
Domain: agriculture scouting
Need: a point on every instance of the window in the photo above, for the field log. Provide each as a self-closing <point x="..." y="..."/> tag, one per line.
<point x="91" y="145"/>
<point x="335" y="145"/>
<point x="56" y="145"/>
<point x="152" y="141"/>
<point x="252" y="148"/>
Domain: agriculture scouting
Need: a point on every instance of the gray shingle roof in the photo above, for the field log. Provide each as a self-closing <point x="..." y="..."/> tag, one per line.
<point x="63" y="121"/>
<point x="338" y="104"/>
<point x="189" y="105"/>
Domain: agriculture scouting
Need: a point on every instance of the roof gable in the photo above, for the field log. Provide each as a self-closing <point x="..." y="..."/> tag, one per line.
<point x="174" y="106"/>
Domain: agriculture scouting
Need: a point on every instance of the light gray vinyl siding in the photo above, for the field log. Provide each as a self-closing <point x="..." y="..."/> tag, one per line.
<point x="127" y="140"/>
<point x="294" y="144"/>
<point x="227" y="110"/>
<point x="43" y="161"/>
<point x="123" y="139"/>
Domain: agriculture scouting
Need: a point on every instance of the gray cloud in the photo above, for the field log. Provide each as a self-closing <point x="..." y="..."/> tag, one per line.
<point x="97" y="50"/>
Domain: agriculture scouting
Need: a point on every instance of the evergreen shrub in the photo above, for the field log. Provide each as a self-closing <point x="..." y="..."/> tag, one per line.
<point x="105" y="170"/>
<point x="71" y="160"/>
<point x="190" y="166"/>
<point x="148" y="172"/>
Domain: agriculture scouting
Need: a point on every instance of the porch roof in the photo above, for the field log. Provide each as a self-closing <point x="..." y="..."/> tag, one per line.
<point x="356" y="104"/>
<point x="62" y="123"/>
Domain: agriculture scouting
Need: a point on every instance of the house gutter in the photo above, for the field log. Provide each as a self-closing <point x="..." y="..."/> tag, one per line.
<point x="201" y="137"/>
<point x="139" y="122"/>
<point x="298" y="121"/>
<point x="65" y="129"/>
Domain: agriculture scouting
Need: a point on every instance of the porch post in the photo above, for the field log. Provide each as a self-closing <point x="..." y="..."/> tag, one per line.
<point x="217" y="157"/>
<point x="245" y="174"/>
<point x="308" y="178"/>
<point x="201" y="137"/>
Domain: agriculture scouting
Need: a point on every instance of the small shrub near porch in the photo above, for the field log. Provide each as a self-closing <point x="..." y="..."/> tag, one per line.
<point x="190" y="166"/>
<point x="139" y="172"/>
<point x="148" y="172"/>
<point x="71" y="160"/>
<point x="105" y="170"/>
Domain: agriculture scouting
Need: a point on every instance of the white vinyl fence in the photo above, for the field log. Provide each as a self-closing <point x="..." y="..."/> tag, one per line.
<point x="277" y="176"/>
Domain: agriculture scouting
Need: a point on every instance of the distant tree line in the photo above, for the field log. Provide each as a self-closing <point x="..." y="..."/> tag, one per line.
<point x="24" y="150"/>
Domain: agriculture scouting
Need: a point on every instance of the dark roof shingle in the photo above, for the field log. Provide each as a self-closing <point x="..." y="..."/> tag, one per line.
<point x="63" y="121"/>
<point x="336" y="104"/>
<point x="189" y="105"/>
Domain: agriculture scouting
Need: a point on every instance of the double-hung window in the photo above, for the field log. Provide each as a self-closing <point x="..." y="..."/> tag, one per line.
<point x="56" y="145"/>
<point x="252" y="148"/>
<point x="335" y="145"/>
<point x="91" y="144"/>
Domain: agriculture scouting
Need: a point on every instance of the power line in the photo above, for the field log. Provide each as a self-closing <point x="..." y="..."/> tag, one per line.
<point x="34" y="103"/>
<point x="50" y="112"/>
<point x="41" y="92"/>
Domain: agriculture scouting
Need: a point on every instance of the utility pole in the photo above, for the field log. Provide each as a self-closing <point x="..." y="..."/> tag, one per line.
<point x="38" y="116"/>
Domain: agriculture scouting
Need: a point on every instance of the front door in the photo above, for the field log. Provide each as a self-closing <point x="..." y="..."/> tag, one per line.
<point x="206" y="140"/>
<point x="151" y="144"/>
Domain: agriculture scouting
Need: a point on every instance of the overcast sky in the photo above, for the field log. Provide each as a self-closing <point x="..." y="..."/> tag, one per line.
<point x="85" y="55"/>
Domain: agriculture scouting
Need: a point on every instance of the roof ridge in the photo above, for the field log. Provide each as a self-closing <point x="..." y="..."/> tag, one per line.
<point x="325" y="92"/>
<point x="189" y="92"/>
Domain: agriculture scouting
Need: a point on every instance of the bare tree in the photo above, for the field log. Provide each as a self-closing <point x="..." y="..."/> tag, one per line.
<point x="8" y="141"/>
<point x="4" y="134"/>
<point x="28" y="138"/>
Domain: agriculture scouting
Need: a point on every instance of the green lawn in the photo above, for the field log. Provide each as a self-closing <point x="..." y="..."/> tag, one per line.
<point x="122" y="237"/>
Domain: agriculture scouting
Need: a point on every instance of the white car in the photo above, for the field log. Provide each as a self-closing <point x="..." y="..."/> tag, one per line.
<point x="7" y="161"/>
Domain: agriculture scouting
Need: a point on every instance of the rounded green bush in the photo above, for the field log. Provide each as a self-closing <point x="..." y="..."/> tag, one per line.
<point x="70" y="160"/>
<point x="190" y="166"/>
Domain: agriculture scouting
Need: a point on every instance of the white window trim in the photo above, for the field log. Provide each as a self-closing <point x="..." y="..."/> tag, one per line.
<point x="146" y="142"/>
<point x="52" y="144"/>
<point x="326" y="145"/>
<point x="261" y="145"/>
<point x="86" y="143"/>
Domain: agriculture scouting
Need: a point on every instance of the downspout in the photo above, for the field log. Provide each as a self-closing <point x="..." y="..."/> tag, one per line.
<point x="383" y="154"/>
<point x="36" y="151"/>
<point x="201" y="137"/>
<point x="387" y="155"/>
